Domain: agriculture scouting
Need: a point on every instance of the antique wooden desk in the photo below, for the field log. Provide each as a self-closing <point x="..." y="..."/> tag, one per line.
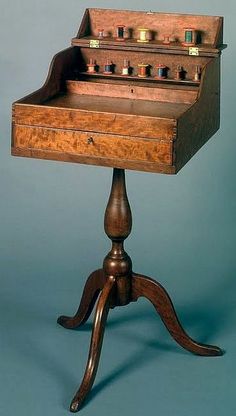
<point x="135" y="90"/>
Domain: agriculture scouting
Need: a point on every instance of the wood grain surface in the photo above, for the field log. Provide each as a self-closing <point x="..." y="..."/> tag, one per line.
<point x="129" y="91"/>
<point x="125" y="124"/>
<point x="202" y="119"/>
<point x="140" y="124"/>
<point x="96" y="114"/>
<point x="118" y="286"/>
<point x="158" y="23"/>
<point x="151" y="58"/>
<point x="95" y="144"/>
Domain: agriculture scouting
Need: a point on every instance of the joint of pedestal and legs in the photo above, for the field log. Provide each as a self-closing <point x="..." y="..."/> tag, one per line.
<point x="117" y="263"/>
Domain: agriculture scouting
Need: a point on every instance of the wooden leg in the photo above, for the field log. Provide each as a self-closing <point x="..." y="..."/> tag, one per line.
<point x="92" y="288"/>
<point x="104" y="302"/>
<point x="153" y="291"/>
<point x="119" y="286"/>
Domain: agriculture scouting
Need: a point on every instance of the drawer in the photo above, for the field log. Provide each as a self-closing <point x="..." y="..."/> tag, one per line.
<point x="90" y="144"/>
<point x="76" y="118"/>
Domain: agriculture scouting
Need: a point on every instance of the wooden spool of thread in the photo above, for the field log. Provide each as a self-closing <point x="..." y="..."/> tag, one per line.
<point x="166" y="40"/>
<point x="125" y="69"/>
<point x="144" y="35"/>
<point x="143" y="70"/>
<point x="197" y="75"/>
<point x="91" y="66"/>
<point x="179" y="73"/>
<point x="161" y="71"/>
<point x="108" y="68"/>
<point x="120" y="32"/>
<point x="100" y="33"/>
<point x="189" y="37"/>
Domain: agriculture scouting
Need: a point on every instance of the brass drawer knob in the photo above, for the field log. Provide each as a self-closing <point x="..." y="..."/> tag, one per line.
<point x="90" y="140"/>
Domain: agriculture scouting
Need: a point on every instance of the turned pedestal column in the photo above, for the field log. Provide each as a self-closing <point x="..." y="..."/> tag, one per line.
<point x="117" y="285"/>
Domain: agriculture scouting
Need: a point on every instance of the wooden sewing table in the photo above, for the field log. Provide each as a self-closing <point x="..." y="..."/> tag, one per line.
<point x="125" y="122"/>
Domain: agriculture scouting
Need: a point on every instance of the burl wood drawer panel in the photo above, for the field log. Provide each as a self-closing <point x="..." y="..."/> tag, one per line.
<point x="93" y="144"/>
<point x="123" y="124"/>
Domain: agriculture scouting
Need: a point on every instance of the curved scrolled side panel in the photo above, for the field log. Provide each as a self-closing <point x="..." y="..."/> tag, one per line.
<point x="61" y="67"/>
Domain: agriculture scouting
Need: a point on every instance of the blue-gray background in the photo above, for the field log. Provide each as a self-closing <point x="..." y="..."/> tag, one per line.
<point x="51" y="217"/>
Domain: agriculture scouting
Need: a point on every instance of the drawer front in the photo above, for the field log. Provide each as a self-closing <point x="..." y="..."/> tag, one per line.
<point x="107" y="123"/>
<point x="93" y="144"/>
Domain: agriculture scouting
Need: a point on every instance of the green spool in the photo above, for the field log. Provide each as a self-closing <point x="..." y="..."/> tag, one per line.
<point x="189" y="36"/>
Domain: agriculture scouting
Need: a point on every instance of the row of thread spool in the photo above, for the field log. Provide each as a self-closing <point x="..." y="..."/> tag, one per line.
<point x="145" y="35"/>
<point x="143" y="70"/>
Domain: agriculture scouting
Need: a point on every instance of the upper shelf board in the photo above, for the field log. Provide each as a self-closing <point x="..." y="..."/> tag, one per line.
<point x="209" y="31"/>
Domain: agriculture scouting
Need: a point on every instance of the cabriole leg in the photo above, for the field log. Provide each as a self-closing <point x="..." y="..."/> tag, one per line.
<point x="104" y="302"/>
<point x="153" y="291"/>
<point x="90" y="294"/>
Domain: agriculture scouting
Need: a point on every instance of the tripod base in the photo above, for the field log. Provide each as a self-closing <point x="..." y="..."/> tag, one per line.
<point x="116" y="285"/>
<point x="141" y="286"/>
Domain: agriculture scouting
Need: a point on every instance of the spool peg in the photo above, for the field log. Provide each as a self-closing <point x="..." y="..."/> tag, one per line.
<point x="100" y="33"/>
<point x="197" y="74"/>
<point x="166" y="39"/>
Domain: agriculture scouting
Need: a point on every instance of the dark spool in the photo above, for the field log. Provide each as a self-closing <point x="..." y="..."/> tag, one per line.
<point x="161" y="72"/>
<point x="120" y="31"/>
<point x="108" y="68"/>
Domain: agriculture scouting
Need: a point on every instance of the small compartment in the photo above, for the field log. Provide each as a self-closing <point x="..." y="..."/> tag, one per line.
<point x="172" y="64"/>
<point x="151" y="123"/>
<point x="208" y="29"/>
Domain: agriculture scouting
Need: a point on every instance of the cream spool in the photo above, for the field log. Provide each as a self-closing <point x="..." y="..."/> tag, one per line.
<point x="144" y="35"/>
<point x="125" y="68"/>
<point x="100" y="33"/>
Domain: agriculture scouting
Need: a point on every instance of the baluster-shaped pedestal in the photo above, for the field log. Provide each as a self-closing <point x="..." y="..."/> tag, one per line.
<point x="117" y="286"/>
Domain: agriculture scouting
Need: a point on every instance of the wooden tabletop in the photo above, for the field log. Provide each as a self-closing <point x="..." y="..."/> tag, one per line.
<point x="118" y="105"/>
